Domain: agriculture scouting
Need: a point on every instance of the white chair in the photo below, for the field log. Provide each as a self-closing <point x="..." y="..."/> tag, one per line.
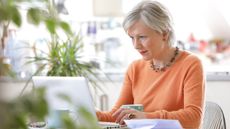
<point x="213" y="116"/>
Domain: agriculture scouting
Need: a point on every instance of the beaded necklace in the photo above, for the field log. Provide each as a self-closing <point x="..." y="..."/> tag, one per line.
<point x="163" y="68"/>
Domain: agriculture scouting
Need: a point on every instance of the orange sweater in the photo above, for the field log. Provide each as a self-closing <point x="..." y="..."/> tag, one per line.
<point x="177" y="93"/>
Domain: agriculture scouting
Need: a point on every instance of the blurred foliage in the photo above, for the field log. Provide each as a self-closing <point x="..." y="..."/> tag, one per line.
<point x="44" y="12"/>
<point x="33" y="107"/>
<point x="63" y="59"/>
<point x="9" y="13"/>
<point x="92" y="123"/>
<point x="38" y="11"/>
<point x="16" y="113"/>
<point x="49" y="16"/>
<point x="64" y="56"/>
<point x="67" y="122"/>
<point x="5" y="69"/>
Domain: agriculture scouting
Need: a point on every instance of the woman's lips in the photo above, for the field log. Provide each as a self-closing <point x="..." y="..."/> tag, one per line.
<point x="143" y="52"/>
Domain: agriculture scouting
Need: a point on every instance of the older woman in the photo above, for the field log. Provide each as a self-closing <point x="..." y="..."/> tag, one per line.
<point x="168" y="82"/>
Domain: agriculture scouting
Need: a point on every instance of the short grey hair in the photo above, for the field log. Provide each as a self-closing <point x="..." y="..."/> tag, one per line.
<point x="154" y="15"/>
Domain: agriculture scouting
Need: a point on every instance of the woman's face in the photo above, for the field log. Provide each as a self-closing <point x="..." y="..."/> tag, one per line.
<point x="148" y="42"/>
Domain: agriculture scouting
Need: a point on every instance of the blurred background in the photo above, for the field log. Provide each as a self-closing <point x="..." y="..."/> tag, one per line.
<point x="201" y="26"/>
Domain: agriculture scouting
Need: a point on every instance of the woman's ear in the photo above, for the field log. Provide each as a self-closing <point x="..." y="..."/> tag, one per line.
<point x="165" y="35"/>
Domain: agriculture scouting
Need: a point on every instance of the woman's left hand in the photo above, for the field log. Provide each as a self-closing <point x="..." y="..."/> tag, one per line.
<point x="125" y="114"/>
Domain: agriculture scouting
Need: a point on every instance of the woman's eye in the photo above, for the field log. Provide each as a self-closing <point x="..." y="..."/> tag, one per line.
<point x="142" y="37"/>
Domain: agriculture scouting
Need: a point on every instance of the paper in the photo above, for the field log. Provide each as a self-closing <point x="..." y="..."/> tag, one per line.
<point x="153" y="124"/>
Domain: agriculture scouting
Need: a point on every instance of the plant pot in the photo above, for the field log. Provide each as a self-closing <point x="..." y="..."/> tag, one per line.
<point x="12" y="88"/>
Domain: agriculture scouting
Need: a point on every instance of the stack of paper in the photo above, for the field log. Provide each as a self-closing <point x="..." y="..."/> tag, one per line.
<point x="153" y="124"/>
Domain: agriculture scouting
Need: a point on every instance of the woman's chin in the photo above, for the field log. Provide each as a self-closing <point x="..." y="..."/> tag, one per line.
<point x="146" y="58"/>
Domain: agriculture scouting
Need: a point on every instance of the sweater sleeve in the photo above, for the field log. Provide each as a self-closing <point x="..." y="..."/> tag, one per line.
<point x="194" y="89"/>
<point x="126" y="97"/>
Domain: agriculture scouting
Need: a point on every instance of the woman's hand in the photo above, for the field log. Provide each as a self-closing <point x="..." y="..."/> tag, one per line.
<point x="125" y="114"/>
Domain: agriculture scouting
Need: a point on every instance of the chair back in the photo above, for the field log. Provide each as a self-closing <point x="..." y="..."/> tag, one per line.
<point x="213" y="116"/>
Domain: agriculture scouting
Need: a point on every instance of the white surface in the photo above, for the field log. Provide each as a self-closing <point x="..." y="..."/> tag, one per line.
<point x="76" y="88"/>
<point x="108" y="124"/>
<point x="153" y="124"/>
<point x="10" y="90"/>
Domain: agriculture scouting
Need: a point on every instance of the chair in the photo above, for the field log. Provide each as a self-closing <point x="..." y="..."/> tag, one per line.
<point x="213" y="116"/>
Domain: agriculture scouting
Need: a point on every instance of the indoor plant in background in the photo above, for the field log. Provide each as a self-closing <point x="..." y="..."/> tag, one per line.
<point x="62" y="51"/>
<point x="37" y="11"/>
<point x="65" y="54"/>
<point x="9" y="13"/>
<point x="11" y="16"/>
<point x="16" y="112"/>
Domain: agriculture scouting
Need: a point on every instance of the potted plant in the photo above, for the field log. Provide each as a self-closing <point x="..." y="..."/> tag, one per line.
<point x="64" y="56"/>
<point x="63" y="51"/>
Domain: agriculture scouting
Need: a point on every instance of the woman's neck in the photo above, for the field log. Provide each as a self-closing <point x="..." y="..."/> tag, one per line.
<point x="165" y="57"/>
<point x="162" y="65"/>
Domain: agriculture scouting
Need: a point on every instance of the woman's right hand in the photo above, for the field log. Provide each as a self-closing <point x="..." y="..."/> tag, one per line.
<point x="125" y="114"/>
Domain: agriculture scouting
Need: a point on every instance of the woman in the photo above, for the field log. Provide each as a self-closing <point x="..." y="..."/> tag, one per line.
<point x="168" y="82"/>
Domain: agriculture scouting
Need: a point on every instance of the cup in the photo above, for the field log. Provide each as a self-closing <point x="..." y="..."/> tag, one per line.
<point x="138" y="107"/>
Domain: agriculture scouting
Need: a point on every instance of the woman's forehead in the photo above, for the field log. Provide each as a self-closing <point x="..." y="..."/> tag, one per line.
<point x="138" y="27"/>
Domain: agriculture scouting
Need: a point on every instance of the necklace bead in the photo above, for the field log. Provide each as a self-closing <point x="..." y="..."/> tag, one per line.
<point x="162" y="69"/>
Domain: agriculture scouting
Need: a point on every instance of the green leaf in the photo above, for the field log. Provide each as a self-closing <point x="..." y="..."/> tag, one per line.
<point x="33" y="16"/>
<point x="51" y="25"/>
<point x="68" y="122"/>
<point x="16" y="16"/>
<point x="65" y="26"/>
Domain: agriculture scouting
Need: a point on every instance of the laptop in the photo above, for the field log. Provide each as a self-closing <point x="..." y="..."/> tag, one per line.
<point x="77" y="89"/>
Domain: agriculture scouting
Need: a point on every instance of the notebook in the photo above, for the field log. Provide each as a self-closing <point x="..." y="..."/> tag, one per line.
<point x="77" y="90"/>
